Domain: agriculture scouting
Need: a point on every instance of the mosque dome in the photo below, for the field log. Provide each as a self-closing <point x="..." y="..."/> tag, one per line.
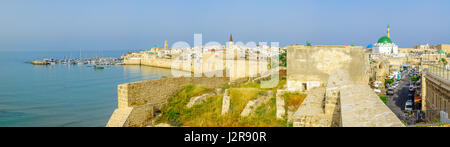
<point x="384" y="39"/>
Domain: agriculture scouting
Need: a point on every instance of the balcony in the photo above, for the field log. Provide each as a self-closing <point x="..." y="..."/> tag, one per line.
<point x="439" y="70"/>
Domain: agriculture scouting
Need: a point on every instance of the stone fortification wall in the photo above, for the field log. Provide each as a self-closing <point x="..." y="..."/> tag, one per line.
<point x="134" y="61"/>
<point x="211" y="62"/>
<point x="343" y="103"/>
<point x="311" y="112"/>
<point x="158" y="91"/>
<point x="138" y="101"/>
<point x="361" y="107"/>
<point x="321" y="108"/>
<point x="311" y="66"/>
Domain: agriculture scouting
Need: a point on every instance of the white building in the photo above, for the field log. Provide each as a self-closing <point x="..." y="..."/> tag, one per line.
<point x="385" y="45"/>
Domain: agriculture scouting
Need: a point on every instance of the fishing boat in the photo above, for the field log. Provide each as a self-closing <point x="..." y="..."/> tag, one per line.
<point x="98" y="67"/>
<point x="81" y="60"/>
<point x="39" y="63"/>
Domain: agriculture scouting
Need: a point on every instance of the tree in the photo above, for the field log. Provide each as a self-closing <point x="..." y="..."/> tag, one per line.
<point x="389" y="81"/>
<point x="283" y="59"/>
<point x="443" y="60"/>
<point x="414" y="78"/>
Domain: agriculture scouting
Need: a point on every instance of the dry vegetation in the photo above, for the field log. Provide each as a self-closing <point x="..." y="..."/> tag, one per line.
<point x="293" y="100"/>
<point x="208" y="114"/>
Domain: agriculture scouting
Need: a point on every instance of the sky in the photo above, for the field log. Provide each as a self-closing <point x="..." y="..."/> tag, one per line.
<point x="142" y="24"/>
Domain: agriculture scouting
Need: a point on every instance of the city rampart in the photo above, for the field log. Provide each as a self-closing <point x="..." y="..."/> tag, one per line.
<point x="211" y="62"/>
<point x="311" y="66"/>
<point x="138" y="101"/>
<point x="340" y="95"/>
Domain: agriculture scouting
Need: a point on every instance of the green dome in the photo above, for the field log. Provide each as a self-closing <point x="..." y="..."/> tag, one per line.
<point x="384" y="39"/>
<point x="441" y="52"/>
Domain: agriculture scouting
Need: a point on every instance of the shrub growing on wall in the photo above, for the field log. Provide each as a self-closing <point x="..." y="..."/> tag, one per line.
<point x="389" y="81"/>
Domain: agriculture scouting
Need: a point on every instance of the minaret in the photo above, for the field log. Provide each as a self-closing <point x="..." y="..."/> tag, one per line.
<point x="388" y="32"/>
<point x="231" y="40"/>
<point x="165" y="45"/>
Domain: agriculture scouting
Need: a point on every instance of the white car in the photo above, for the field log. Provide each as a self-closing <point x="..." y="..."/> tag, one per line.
<point x="377" y="90"/>
<point x="390" y="91"/>
<point x="408" y="105"/>
<point x="395" y="85"/>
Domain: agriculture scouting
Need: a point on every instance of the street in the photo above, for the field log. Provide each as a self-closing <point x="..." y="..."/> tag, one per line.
<point x="397" y="101"/>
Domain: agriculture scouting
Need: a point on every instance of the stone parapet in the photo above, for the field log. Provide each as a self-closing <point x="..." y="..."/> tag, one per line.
<point x="138" y="101"/>
<point x="310" y="66"/>
<point x="361" y="107"/>
<point x="311" y="112"/>
<point x="119" y="117"/>
<point x="158" y="91"/>
<point x="337" y="80"/>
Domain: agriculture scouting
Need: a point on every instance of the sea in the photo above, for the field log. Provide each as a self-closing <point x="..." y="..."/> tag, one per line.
<point x="63" y="95"/>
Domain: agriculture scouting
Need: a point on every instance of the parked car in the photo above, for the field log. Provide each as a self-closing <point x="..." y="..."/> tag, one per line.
<point x="395" y="85"/>
<point x="408" y="105"/>
<point x="412" y="88"/>
<point x="377" y="90"/>
<point x="418" y="83"/>
<point x="390" y="91"/>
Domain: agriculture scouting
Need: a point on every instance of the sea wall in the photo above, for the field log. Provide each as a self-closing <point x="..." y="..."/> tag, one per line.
<point x="211" y="63"/>
<point x="132" y="61"/>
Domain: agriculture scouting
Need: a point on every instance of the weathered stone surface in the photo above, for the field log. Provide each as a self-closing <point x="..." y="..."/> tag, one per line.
<point x="210" y="63"/>
<point x="337" y="80"/>
<point x="311" y="112"/>
<point x="140" y="116"/>
<point x="225" y="102"/>
<point x="280" y="105"/>
<point x="158" y="91"/>
<point x="253" y="104"/>
<point x="119" y="117"/>
<point x="311" y="66"/>
<point x="197" y="100"/>
<point x="145" y="96"/>
<point x="162" y="125"/>
<point x="361" y="107"/>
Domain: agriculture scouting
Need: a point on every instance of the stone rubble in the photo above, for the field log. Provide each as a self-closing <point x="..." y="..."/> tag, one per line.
<point x="255" y="103"/>
<point x="198" y="100"/>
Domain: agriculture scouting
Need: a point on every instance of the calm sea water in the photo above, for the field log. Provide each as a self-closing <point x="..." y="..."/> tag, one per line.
<point x="62" y="95"/>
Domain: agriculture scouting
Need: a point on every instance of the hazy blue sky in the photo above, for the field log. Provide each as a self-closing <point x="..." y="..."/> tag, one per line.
<point x="128" y="24"/>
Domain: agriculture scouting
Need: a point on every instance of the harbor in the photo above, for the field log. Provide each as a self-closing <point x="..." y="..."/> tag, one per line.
<point x="64" y="95"/>
<point x="96" y="62"/>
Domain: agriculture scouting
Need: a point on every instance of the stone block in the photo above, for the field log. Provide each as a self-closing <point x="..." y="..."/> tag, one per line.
<point x="225" y="102"/>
